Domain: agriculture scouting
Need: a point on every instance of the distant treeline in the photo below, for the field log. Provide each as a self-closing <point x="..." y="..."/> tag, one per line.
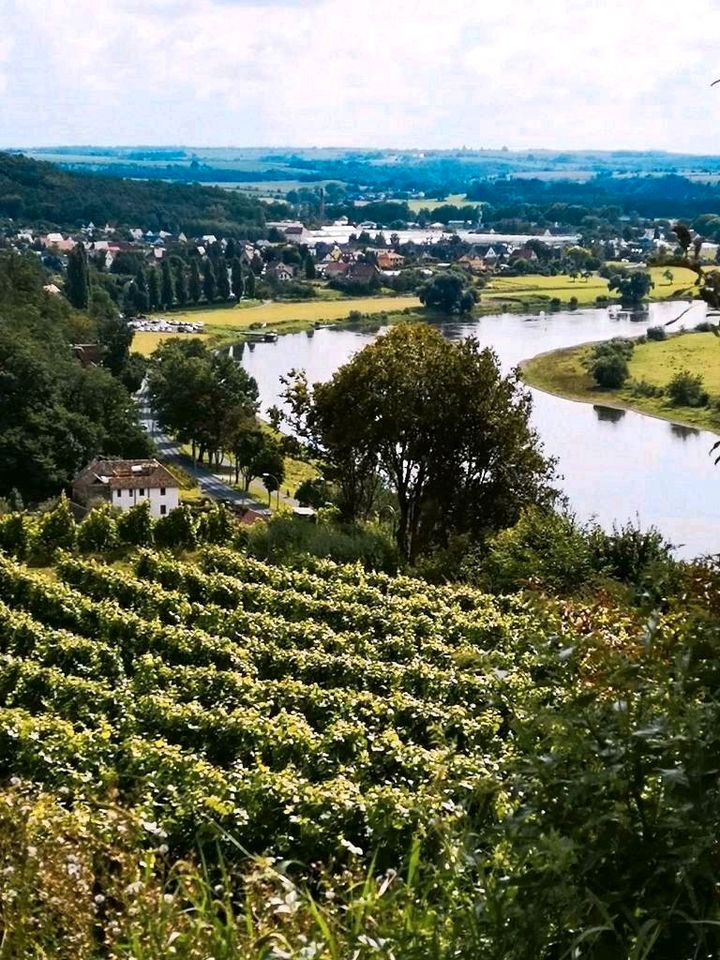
<point x="35" y="192"/>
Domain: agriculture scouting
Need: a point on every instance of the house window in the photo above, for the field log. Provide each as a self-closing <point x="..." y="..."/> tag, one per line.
<point x="119" y="494"/>
<point x="162" y="491"/>
<point x="141" y="491"/>
<point x="163" y="509"/>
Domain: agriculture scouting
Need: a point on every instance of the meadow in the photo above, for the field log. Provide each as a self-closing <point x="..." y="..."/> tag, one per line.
<point x="654" y="362"/>
<point x="564" y="287"/>
<point x="275" y="315"/>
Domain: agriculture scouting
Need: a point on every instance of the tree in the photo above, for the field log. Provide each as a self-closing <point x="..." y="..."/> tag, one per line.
<point x="195" y="288"/>
<point x="310" y="272"/>
<point x="167" y="286"/>
<point x="435" y="422"/>
<point x="237" y="282"/>
<point x="448" y="292"/>
<point x="223" y="279"/>
<point x="257" y="452"/>
<point x="181" y="284"/>
<point x="607" y="363"/>
<point x="116" y="336"/>
<point x="77" y="282"/>
<point x="684" y="237"/>
<point x="140" y="291"/>
<point x="199" y="396"/>
<point x="209" y="282"/>
<point x="633" y="287"/>
<point x="250" y="285"/>
<point x="153" y="288"/>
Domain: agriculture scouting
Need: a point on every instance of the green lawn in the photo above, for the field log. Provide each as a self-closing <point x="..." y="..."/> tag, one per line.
<point x="561" y="372"/>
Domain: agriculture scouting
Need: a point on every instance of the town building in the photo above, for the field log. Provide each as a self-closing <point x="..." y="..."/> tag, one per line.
<point x="124" y="483"/>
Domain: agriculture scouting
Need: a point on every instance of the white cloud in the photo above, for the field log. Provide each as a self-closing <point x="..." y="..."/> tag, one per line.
<point x="270" y="72"/>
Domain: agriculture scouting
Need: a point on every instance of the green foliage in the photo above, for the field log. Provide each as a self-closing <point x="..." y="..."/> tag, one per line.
<point x="436" y="423"/>
<point x="544" y="550"/>
<point x="258" y="453"/>
<point x="215" y="525"/>
<point x="56" y="529"/>
<point x="686" y="390"/>
<point x="284" y="539"/>
<point x="607" y="363"/>
<point x="98" y="531"/>
<point x="632" y="287"/>
<point x="640" y="558"/>
<point x="135" y="526"/>
<point x="656" y="333"/>
<point x="77" y="282"/>
<point x="448" y="292"/>
<point x="313" y="493"/>
<point x="177" y="529"/>
<point x="16" y="534"/>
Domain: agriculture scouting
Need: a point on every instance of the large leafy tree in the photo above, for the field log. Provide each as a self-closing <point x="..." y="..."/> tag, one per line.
<point x="437" y="423"/>
<point x="200" y="396"/>
<point x="258" y="453"/>
<point x="448" y="292"/>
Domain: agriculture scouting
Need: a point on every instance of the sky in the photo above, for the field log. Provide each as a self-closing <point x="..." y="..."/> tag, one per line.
<point x="561" y="74"/>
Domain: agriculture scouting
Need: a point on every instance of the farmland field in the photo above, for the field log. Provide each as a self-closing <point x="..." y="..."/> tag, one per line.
<point x="564" y="287"/>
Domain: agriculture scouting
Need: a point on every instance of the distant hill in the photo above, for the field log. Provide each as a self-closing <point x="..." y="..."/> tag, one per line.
<point x="36" y="192"/>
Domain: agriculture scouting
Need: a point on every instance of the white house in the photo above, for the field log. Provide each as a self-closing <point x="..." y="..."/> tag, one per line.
<point x="123" y="483"/>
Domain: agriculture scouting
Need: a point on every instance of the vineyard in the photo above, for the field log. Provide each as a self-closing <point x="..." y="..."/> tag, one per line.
<point x="518" y="756"/>
<point x="298" y="710"/>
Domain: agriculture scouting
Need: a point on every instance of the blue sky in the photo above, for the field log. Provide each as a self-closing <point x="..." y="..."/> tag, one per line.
<point x="632" y="74"/>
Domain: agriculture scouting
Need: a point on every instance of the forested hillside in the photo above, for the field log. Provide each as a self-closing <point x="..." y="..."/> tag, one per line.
<point x="35" y="192"/>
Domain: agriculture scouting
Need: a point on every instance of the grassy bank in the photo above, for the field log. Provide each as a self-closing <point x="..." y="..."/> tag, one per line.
<point x="536" y="287"/>
<point x="656" y="362"/>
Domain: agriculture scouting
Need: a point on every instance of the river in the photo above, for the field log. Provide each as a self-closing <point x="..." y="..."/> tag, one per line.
<point x="615" y="465"/>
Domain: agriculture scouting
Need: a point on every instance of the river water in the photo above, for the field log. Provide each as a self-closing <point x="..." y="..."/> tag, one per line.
<point x="615" y="465"/>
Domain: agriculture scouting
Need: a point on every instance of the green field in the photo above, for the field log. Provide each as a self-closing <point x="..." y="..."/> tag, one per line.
<point x="455" y="200"/>
<point x="586" y="291"/>
<point x="275" y="315"/>
<point x="656" y="362"/>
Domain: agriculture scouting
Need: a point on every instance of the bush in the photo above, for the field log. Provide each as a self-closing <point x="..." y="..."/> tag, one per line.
<point x="98" y="531"/>
<point x="215" y="525"/>
<point x="56" y="530"/>
<point x="15" y="534"/>
<point x="686" y="390"/>
<point x="313" y="493"/>
<point x="641" y="388"/>
<point x="135" y="526"/>
<point x="177" y="529"/>
<point x="607" y="363"/>
<point x="640" y="558"/>
<point x="285" y="539"/>
<point x="544" y="549"/>
<point x="656" y="333"/>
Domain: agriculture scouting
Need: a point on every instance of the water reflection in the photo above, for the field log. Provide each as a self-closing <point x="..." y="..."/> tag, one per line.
<point x="682" y="432"/>
<point x="614" y="463"/>
<point x="609" y="414"/>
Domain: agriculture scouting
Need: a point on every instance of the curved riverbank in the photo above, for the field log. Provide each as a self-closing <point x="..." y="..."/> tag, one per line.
<point x="561" y="373"/>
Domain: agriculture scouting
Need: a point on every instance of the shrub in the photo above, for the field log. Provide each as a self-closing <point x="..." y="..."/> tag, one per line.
<point x="641" y="388"/>
<point x="656" y="333"/>
<point x="56" y="529"/>
<point x="177" y="529"/>
<point x="686" y="390"/>
<point x="215" y="525"/>
<point x="98" y="531"/>
<point x="543" y="549"/>
<point x="135" y="526"/>
<point x="15" y="534"/>
<point x="287" y="539"/>
<point x="313" y="493"/>
<point x="703" y="327"/>
<point x="640" y="558"/>
<point x="607" y="363"/>
<point x="573" y="302"/>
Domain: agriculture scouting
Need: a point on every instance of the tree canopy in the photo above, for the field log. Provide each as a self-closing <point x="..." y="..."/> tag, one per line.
<point x="437" y="423"/>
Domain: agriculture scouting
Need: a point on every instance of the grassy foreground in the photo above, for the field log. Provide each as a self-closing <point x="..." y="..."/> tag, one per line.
<point x="656" y="362"/>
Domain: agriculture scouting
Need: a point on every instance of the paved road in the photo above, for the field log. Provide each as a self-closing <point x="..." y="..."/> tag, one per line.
<point x="210" y="484"/>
